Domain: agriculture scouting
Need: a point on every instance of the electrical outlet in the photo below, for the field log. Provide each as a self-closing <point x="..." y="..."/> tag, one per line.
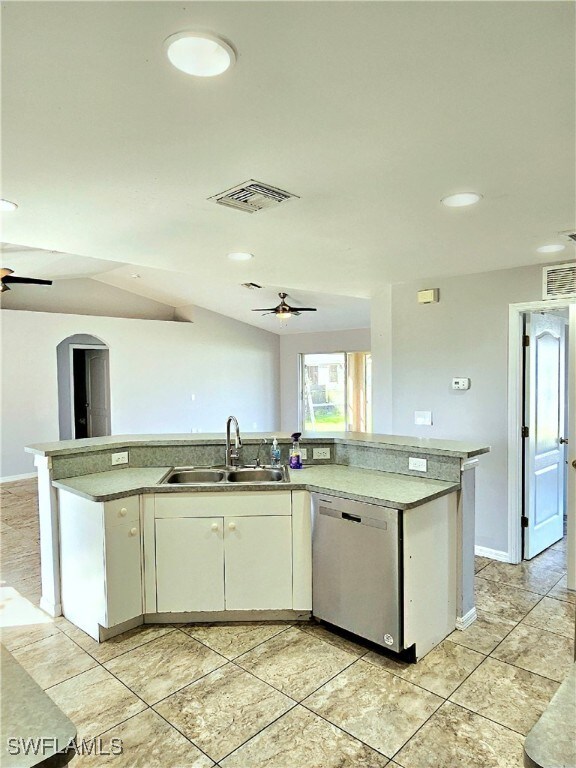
<point x="120" y="458"/>
<point x="304" y="453"/>
<point x="321" y="453"/>
<point x="420" y="465"/>
<point x="460" y="383"/>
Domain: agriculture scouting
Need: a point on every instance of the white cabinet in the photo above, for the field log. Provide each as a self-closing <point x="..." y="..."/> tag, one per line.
<point x="190" y="564"/>
<point x="100" y="561"/>
<point x="258" y="557"/>
<point x="238" y="560"/>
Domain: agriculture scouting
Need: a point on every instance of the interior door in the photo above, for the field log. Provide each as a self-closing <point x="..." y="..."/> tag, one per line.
<point x="544" y="402"/>
<point x="98" y="408"/>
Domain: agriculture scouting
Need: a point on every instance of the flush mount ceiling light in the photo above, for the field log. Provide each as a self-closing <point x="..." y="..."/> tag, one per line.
<point x="199" y="54"/>
<point x="239" y="256"/>
<point x="461" y="199"/>
<point x="551" y="248"/>
<point x="7" y="205"/>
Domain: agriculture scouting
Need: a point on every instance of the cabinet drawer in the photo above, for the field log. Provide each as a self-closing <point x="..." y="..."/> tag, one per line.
<point x="240" y="504"/>
<point x="124" y="510"/>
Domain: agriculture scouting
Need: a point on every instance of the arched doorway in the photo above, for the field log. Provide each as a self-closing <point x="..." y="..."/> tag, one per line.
<point x="83" y="387"/>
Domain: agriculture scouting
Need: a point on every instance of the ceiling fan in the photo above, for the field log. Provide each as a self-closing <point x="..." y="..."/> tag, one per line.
<point x="284" y="310"/>
<point x="5" y="277"/>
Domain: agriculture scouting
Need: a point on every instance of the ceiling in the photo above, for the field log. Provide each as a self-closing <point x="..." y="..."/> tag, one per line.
<point x="369" y="112"/>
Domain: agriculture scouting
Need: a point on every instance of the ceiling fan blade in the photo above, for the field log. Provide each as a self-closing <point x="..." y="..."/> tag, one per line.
<point x="28" y="280"/>
<point x="5" y="271"/>
<point x="305" y="309"/>
<point x="265" y="309"/>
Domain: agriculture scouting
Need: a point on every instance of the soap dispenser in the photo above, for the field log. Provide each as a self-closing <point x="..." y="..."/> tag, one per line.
<point x="295" y="453"/>
<point x="275" y="454"/>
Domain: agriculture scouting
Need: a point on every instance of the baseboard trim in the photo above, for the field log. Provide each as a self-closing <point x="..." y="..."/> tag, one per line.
<point x="462" y="622"/>
<point x="13" y="478"/>
<point x="52" y="609"/>
<point x="200" y="617"/>
<point x="493" y="554"/>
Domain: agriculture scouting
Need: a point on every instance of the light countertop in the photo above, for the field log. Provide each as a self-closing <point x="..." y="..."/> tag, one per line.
<point x="367" y="485"/>
<point x="552" y="741"/>
<point x="29" y="713"/>
<point x="389" y="442"/>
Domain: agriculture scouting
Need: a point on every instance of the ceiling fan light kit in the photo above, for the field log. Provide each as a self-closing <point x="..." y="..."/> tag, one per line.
<point x="284" y="311"/>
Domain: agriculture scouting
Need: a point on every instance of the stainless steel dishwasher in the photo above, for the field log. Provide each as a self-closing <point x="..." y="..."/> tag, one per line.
<point x="357" y="568"/>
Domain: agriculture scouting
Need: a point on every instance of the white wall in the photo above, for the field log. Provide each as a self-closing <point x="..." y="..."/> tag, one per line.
<point x="292" y="345"/>
<point x="155" y="367"/>
<point x="466" y="335"/>
<point x="381" y="321"/>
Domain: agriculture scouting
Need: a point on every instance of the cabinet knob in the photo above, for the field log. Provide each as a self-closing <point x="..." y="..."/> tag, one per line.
<point x="231" y="526"/>
<point x="123" y="512"/>
<point x="214" y="526"/>
<point x="133" y="531"/>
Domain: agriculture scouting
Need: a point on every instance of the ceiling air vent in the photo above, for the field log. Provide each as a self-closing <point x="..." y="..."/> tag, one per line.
<point x="559" y="281"/>
<point x="252" y="196"/>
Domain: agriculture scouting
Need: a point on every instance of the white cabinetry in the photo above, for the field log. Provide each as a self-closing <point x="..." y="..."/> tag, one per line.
<point x="228" y="551"/>
<point x="100" y="555"/>
<point x="189" y="564"/>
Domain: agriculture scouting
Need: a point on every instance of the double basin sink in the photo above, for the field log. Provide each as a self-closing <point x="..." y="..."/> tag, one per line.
<point x="212" y="475"/>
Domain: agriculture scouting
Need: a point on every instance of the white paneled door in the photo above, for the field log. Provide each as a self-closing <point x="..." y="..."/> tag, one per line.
<point x="97" y="376"/>
<point x="544" y="445"/>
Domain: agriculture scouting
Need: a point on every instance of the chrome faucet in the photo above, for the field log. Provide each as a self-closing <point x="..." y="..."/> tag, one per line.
<point x="233" y="453"/>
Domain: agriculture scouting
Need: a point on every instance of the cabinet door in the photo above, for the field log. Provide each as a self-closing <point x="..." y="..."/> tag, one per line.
<point x="123" y="573"/>
<point x="189" y="564"/>
<point x="258" y="563"/>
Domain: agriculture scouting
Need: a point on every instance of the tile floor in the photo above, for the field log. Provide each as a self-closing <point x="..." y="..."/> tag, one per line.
<point x="284" y="695"/>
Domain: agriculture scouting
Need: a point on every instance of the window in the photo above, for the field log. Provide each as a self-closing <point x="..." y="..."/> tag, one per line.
<point x="336" y="392"/>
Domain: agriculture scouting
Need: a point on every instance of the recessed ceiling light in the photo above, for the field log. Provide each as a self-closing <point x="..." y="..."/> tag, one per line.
<point x="199" y="54"/>
<point x="551" y="248"/>
<point x="460" y="199"/>
<point x="239" y="256"/>
<point x="7" y="205"/>
<point x="135" y="276"/>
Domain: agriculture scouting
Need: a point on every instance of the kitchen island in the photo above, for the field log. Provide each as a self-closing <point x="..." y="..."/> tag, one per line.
<point x="158" y="529"/>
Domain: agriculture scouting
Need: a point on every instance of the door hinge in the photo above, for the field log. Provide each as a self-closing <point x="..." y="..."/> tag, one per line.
<point x="525" y="340"/>
<point x="524" y="521"/>
<point x="525" y="432"/>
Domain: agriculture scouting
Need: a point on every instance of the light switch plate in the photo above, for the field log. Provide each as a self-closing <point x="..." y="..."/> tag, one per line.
<point x="419" y="465"/>
<point x="321" y="453"/>
<point x="304" y="453"/>
<point x="120" y="458"/>
<point x="460" y="383"/>
<point x="423" y="418"/>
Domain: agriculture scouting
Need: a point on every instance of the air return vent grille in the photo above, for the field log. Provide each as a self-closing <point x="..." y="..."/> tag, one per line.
<point x="252" y="196"/>
<point x="559" y="281"/>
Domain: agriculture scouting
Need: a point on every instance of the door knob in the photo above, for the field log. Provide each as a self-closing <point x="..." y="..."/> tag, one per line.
<point x="133" y="531"/>
<point x="232" y="526"/>
<point x="214" y="526"/>
<point x="574" y="463"/>
<point x="563" y="440"/>
<point x="123" y="512"/>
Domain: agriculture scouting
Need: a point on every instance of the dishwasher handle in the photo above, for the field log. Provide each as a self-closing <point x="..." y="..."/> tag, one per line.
<point x="353" y="518"/>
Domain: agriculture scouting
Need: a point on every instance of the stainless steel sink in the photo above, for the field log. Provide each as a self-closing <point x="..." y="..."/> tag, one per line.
<point x="256" y="475"/>
<point x="194" y="476"/>
<point x="211" y="475"/>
